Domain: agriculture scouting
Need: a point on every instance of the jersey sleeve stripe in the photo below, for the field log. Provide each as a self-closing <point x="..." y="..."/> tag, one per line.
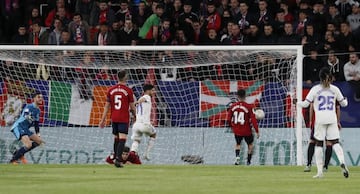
<point x="309" y="100"/>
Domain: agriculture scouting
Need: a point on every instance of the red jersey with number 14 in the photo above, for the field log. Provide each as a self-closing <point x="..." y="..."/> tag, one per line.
<point x="240" y="116"/>
<point x="120" y="96"/>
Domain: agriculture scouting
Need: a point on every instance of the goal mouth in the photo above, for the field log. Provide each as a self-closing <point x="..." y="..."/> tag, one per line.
<point x="195" y="86"/>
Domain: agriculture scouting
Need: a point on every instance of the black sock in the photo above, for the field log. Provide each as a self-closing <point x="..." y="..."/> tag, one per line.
<point x="19" y="153"/>
<point x="249" y="158"/>
<point x="328" y="152"/>
<point x="237" y="153"/>
<point x="310" y="153"/>
<point x="33" y="145"/>
<point x="116" y="143"/>
<point x="120" y="148"/>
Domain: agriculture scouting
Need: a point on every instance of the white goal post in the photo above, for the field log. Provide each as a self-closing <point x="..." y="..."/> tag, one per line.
<point x="194" y="86"/>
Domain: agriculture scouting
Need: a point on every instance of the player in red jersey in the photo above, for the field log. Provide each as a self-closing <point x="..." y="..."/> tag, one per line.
<point x="129" y="157"/>
<point x="241" y="119"/>
<point x="119" y="99"/>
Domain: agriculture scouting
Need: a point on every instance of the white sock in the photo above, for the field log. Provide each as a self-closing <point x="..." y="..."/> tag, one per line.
<point x="339" y="153"/>
<point x="319" y="159"/>
<point x="134" y="146"/>
<point x="150" y="145"/>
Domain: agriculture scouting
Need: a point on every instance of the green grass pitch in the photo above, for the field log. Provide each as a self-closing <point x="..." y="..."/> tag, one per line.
<point x="163" y="179"/>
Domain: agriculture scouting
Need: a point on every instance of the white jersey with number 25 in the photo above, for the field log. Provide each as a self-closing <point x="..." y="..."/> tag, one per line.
<point x="324" y="100"/>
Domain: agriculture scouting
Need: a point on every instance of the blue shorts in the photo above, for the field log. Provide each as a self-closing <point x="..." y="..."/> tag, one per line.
<point x="19" y="132"/>
<point x="120" y="128"/>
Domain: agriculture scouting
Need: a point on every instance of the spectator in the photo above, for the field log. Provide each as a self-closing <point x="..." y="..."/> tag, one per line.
<point x="34" y="16"/>
<point x="224" y="5"/>
<point x="336" y="66"/>
<point x="211" y="38"/>
<point x="311" y="37"/>
<point x="139" y="17"/>
<point x="333" y="15"/>
<point x="176" y="10"/>
<point x="354" y="19"/>
<point x="312" y="66"/>
<point x="225" y="19"/>
<point x="59" y="11"/>
<point x="149" y="32"/>
<point x="100" y="14"/>
<point x="180" y="38"/>
<point x="318" y="17"/>
<point x="346" y="38"/>
<point x="123" y="12"/>
<point x="289" y="37"/>
<point x="234" y="9"/>
<point x="236" y="38"/>
<point x="198" y="32"/>
<point x="21" y="38"/>
<point x="352" y="74"/>
<point x="228" y="31"/>
<point x="287" y="15"/>
<point x="115" y="28"/>
<point x="39" y="35"/>
<point x="268" y="36"/>
<point x="79" y="30"/>
<point x="253" y="37"/>
<point x="186" y="20"/>
<point x="84" y="7"/>
<point x="65" y="38"/>
<point x="344" y="7"/>
<point x="164" y="33"/>
<point x="264" y="16"/>
<point x="301" y="23"/>
<point x="332" y="28"/>
<point x="55" y="34"/>
<point x="279" y="22"/>
<point x="105" y="37"/>
<point x="330" y="42"/>
<point x="12" y="17"/>
<point x="213" y="20"/>
<point x="244" y="18"/>
<point x="128" y="35"/>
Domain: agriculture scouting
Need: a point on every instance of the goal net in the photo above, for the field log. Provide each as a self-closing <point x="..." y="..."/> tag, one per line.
<point x="194" y="87"/>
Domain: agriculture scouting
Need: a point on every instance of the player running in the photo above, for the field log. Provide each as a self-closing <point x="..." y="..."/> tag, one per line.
<point x="240" y="118"/>
<point x="119" y="99"/>
<point x="143" y="124"/>
<point x="21" y="128"/>
<point x="324" y="97"/>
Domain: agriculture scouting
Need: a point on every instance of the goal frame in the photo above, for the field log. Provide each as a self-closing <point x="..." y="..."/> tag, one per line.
<point x="299" y="64"/>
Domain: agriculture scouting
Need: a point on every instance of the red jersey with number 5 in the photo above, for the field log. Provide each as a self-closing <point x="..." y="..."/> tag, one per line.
<point x="240" y="118"/>
<point x="120" y="96"/>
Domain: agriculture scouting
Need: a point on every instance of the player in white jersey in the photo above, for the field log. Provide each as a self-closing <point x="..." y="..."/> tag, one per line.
<point x="143" y="124"/>
<point x="324" y="97"/>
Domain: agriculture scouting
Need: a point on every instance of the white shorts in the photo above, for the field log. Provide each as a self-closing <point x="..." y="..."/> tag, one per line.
<point x="139" y="129"/>
<point x="328" y="131"/>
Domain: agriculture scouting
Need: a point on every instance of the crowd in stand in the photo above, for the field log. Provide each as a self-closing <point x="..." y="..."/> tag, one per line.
<point x="325" y="24"/>
<point x="328" y="29"/>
